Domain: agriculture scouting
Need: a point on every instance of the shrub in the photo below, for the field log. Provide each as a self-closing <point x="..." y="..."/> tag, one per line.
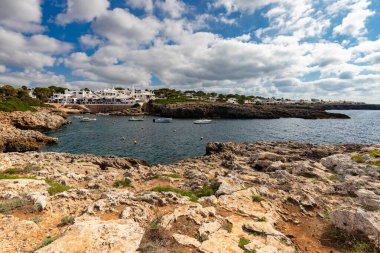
<point x="227" y="226"/>
<point x="12" y="204"/>
<point x="122" y="183"/>
<point x="48" y="240"/>
<point x="67" y="220"/>
<point x="56" y="187"/>
<point x="11" y="171"/>
<point x="36" y="219"/>
<point x="262" y="219"/>
<point x="256" y="198"/>
<point x="242" y="242"/>
<point x="358" y="159"/>
<point x="192" y="197"/>
<point x="155" y="224"/>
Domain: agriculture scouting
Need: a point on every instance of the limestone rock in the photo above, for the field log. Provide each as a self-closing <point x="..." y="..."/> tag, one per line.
<point x="187" y="240"/>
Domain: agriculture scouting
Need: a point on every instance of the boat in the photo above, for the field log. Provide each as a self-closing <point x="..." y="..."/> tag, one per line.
<point x="103" y="114"/>
<point x="85" y="119"/>
<point x="163" y="120"/>
<point x="203" y="121"/>
<point x="77" y="117"/>
<point x="136" y="119"/>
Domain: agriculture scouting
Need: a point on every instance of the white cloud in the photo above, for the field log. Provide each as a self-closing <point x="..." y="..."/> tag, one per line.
<point x="22" y="16"/>
<point x="90" y="41"/>
<point x="173" y="8"/>
<point x="242" y="5"/>
<point x="121" y="27"/>
<point x="147" y="5"/>
<point x="82" y="11"/>
<point x="31" y="77"/>
<point x="354" y="23"/>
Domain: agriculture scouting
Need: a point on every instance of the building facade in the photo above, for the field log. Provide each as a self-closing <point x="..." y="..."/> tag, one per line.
<point x="106" y="96"/>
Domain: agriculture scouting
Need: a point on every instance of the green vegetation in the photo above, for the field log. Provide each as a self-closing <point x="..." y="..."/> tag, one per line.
<point x="171" y="175"/>
<point x="358" y="159"/>
<point x="36" y="219"/>
<point x="244" y="241"/>
<point x="375" y="163"/>
<point x="261" y="219"/>
<point x="345" y="242"/>
<point x="48" y="240"/>
<point x="202" y="237"/>
<point x="67" y="220"/>
<point x="12" y="176"/>
<point x="16" y="99"/>
<point x="375" y="153"/>
<point x="256" y="198"/>
<point x="333" y="178"/>
<point x="13" y="204"/>
<point x="122" y="183"/>
<point x="193" y="196"/>
<point x="326" y="215"/>
<point x="155" y="224"/>
<point x="56" y="187"/>
<point x="227" y="226"/>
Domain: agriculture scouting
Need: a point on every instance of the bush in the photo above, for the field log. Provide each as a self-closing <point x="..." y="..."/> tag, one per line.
<point x="15" y="104"/>
<point x="12" y="204"/>
<point x="256" y="198"/>
<point x="122" y="183"/>
<point x="155" y="224"/>
<point x="192" y="197"/>
<point x="56" y="187"/>
<point x="48" y="240"/>
<point x="68" y="220"/>
<point x="359" y="159"/>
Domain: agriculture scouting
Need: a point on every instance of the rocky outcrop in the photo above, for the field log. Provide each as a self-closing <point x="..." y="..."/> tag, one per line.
<point x="212" y="110"/>
<point x="256" y="197"/>
<point x="19" y="131"/>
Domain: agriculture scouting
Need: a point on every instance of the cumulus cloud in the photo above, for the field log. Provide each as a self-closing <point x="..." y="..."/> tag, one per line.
<point x="147" y="5"/>
<point x="354" y="23"/>
<point x="22" y="16"/>
<point x="173" y="8"/>
<point x="82" y="11"/>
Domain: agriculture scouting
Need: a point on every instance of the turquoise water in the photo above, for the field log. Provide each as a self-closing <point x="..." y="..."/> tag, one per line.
<point x="165" y="143"/>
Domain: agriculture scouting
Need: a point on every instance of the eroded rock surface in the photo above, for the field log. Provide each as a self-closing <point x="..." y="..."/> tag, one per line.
<point x="262" y="197"/>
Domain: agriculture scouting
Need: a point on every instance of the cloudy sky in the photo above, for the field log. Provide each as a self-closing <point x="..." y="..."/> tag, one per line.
<point x="285" y="48"/>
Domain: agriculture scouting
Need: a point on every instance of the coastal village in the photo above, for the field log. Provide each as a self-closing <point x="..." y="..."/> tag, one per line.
<point x="132" y="96"/>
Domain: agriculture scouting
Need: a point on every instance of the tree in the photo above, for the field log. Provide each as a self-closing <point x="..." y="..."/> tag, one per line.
<point x="42" y="93"/>
<point x="56" y="89"/>
<point x="7" y="91"/>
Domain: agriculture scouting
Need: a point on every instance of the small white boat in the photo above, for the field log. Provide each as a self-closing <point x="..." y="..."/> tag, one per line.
<point x="203" y="121"/>
<point x="77" y="117"/>
<point x="103" y="114"/>
<point x="136" y="119"/>
<point x="163" y="120"/>
<point x="85" y="119"/>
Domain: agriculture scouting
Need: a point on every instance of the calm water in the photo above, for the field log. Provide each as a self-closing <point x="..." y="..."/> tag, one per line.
<point x="165" y="143"/>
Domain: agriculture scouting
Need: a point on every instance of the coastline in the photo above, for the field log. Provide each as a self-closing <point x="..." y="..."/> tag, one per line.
<point x="267" y="192"/>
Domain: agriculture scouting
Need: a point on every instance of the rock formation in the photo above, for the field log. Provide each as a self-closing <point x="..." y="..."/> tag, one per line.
<point x="212" y="110"/>
<point x="19" y="131"/>
<point x="262" y="197"/>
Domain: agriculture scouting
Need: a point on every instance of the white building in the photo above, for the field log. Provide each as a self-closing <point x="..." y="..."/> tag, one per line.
<point x="232" y="101"/>
<point x="107" y="96"/>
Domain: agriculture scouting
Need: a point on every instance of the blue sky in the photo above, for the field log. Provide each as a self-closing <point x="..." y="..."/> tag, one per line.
<point x="295" y="49"/>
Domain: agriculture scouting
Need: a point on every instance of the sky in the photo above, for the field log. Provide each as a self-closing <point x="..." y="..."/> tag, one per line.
<point x="327" y="49"/>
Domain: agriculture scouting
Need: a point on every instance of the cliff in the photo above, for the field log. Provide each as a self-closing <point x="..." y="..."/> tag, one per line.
<point x="19" y="131"/>
<point x="212" y="110"/>
<point x="253" y="197"/>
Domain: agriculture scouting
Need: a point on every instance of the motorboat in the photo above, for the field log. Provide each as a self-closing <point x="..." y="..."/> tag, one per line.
<point x="103" y="114"/>
<point x="86" y="119"/>
<point x="136" y="119"/>
<point x="163" y="120"/>
<point x="203" y="121"/>
<point x="77" y="117"/>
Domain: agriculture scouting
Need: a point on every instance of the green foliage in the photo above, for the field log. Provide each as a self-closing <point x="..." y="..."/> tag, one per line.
<point x="68" y="220"/>
<point x="56" y="187"/>
<point x="346" y="242"/>
<point x="242" y="242"/>
<point x="202" y="237"/>
<point x="122" y="183"/>
<point x="12" y="176"/>
<point x="333" y="178"/>
<point x="261" y="219"/>
<point x="326" y="215"/>
<point x="358" y="159"/>
<point x="171" y="175"/>
<point x="12" y="204"/>
<point x="15" y="104"/>
<point x="137" y="105"/>
<point x="36" y="219"/>
<point x="227" y="226"/>
<point x="375" y="163"/>
<point x="191" y="195"/>
<point x="11" y="171"/>
<point x="256" y="198"/>
<point x="48" y="240"/>
<point x="155" y="224"/>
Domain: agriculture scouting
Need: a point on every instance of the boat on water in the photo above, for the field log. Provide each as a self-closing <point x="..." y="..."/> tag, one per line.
<point x="103" y="114"/>
<point x="86" y="119"/>
<point x="136" y="119"/>
<point x="202" y="121"/>
<point x="163" y="120"/>
<point x="77" y="117"/>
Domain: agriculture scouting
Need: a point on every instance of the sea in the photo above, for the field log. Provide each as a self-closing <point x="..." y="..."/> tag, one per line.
<point x="166" y="143"/>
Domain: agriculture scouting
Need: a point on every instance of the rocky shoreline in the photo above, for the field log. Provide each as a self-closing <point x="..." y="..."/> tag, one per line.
<point x="252" y="197"/>
<point x="21" y="131"/>
<point x="222" y="110"/>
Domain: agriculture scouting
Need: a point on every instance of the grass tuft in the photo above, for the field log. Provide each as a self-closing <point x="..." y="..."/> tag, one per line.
<point x="56" y="187"/>
<point x="48" y="240"/>
<point x="256" y="198"/>
<point x="358" y="159"/>
<point x="67" y="220"/>
<point x="12" y="204"/>
<point x="122" y="183"/>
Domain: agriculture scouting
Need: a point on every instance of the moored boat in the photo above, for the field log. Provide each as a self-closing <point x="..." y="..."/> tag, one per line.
<point x="203" y="121"/>
<point x="85" y="119"/>
<point x="103" y="114"/>
<point x="136" y="119"/>
<point x="163" y="120"/>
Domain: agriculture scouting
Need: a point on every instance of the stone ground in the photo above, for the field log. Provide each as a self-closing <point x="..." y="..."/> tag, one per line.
<point x="262" y="197"/>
